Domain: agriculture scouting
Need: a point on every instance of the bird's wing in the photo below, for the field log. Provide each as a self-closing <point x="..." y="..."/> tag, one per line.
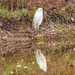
<point x="37" y="17"/>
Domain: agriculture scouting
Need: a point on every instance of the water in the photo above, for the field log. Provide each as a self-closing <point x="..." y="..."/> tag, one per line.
<point x="18" y="55"/>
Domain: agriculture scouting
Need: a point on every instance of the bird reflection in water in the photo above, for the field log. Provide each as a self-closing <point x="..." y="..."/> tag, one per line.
<point x="41" y="60"/>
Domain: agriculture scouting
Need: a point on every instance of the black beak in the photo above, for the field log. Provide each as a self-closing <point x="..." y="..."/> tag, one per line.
<point x="44" y="10"/>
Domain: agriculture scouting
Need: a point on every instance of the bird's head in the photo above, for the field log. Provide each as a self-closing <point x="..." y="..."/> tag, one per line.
<point x="40" y="9"/>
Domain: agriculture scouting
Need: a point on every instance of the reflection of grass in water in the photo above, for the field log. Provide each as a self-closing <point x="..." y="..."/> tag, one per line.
<point x="17" y="70"/>
<point x="62" y="62"/>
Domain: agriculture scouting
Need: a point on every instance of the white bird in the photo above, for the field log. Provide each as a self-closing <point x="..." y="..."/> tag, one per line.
<point x="37" y="20"/>
<point x="41" y="60"/>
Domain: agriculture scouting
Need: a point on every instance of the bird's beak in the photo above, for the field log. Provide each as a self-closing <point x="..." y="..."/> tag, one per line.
<point x="44" y="10"/>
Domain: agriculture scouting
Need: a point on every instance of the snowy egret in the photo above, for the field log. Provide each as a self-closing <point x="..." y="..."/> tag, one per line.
<point x="37" y="20"/>
<point x="41" y="60"/>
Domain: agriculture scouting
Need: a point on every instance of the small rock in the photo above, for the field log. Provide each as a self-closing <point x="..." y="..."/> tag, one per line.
<point x="33" y="62"/>
<point x="74" y="49"/>
<point x="11" y="72"/>
<point x="18" y="65"/>
<point x="25" y="67"/>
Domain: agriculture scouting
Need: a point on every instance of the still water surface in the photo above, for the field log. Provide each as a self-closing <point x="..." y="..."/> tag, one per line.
<point x="40" y="56"/>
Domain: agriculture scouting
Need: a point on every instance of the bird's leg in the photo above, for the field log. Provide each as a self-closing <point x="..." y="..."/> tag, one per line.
<point x="37" y="29"/>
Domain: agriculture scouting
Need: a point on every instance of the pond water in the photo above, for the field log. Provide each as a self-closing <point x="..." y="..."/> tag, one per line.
<point x="37" y="56"/>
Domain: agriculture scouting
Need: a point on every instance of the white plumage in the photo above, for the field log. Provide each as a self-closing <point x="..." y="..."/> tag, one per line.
<point x="38" y="17"/>
<point x="41" y="60"/>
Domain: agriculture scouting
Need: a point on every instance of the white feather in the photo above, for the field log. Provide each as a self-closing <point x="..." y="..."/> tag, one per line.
<point x="38" y="17"/>
<point x="41" y="60"/>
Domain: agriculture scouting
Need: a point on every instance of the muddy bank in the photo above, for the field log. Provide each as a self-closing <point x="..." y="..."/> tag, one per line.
<point x="52" y="38"/>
